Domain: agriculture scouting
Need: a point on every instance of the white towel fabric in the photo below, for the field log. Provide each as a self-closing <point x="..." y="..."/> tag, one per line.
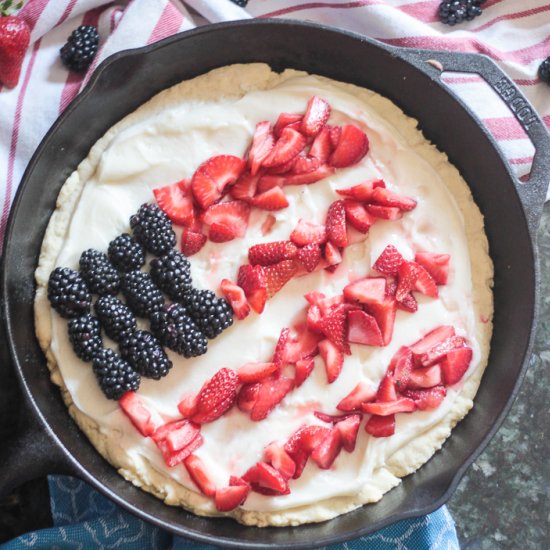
<point x="514" y="34"/>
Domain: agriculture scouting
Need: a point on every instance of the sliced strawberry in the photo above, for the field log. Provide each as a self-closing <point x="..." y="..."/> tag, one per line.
<point x="245" y="187"/>
<point x="176" y="201"/>
<point x="361" y="192"/>
<point x="234" y="294"/>
<point x="172" y="458"/>
<point x="385" y="197"/>
<point x="336" y="224"/>
<point x="381" y="426"/>
<point x="279" y="353"/>
<point x="216" y="396"/>
<point x="309" y="256"/>
<point x="304" y="164"/>
<point x="349" y="428"/>
<point x="272" y="199"/>
<point x="303" y="369"/>
<point x="332" y="254"/>
<point x="306" y="344"/>
<point x="309" y="177"/>
<point x="270" y="181"/>
<point x="271" y="253"/>
<point x="199" y="474"/>
<point x="321" y="148"/>
<point x="439" y="351"/>
<point x="389" y="261"/>
<point x="362" y="393"/>
<point x="288" y="145"/>
<point x="455" y="364"/>
<point x="335" y="327"/>
<point x="386" y="390"/>
<point x="308" y="233"/>
<point x="432" y="339"/>
<point x="262" y="475"/>
<point x="191" y="242"/>
<point x="228" y="498"/>
<point x="212" y="176"/>
<point x="357" y="215"/>
<point x="315" y="298"/>
<point x="188" y="405"/>
<point x="326" y="452"/>
<point x="408" y="303"/>
<point x="427" y="377"/>
<point x="328" y="304"/>
<point x="247" y="396"/>
<point x="369" y="290"/>
<point x="275" y="455"/>
<point x="412" y="276"/>
<point x="277" y="275"/>
<point x="235" y="481"/>
<point x="286" y="119"/>
<point x="267" y="224"/>
<point x="301" y="444"/>
<point x="262" y="144"/>
<point x="333" y="359"/>
<point x="352" y="146"/>
<point x="314" y="319"/>
<point x="363" y="329"/>
<point x="427" y="399"/>
<point x="145" y="419"/>
<point x="229" y="219"/>
<point x="181" y="436"/>
<point x="272" y="391"/>
<point x="437" y="265"/>
<point x="255" y="372"/>
<point x="252" y="280"/>
<point x="384" y="313"/>
<point x="335" y="134"/>
<point x="316" y="116"/>
<point x="404" y="404"/>
<point x="401" y="367"/>
<point x="384" y="212"/>
<point x="276" y="175"/>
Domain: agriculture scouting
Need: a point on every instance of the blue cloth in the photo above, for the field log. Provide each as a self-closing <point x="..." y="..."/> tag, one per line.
<point x="85" y="519"/>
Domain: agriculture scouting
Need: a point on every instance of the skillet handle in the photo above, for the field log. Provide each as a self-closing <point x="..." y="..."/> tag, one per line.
<point x="27" y="450"/>
<point x="533" y="192"/>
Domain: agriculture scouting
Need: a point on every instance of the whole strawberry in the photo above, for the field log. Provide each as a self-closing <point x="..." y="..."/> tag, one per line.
<point x="14" y="40"/>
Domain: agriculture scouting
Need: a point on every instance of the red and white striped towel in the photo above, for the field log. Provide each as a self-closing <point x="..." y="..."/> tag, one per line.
<point x="514" y="34"/>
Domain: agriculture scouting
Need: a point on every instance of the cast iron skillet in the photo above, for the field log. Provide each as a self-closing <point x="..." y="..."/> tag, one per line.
<point x="411" y="78"/>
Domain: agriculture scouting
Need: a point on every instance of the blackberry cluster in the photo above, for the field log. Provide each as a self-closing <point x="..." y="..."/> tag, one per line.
<point x="85" y="336"/>
<point x="544" y="71"/>
<point x="141" y="293"/>
<point x="172" y="273"/>
<point x="153" y="229"/>
<point x="68" y="293"/>
<point x="116" y="318"/>
<point x="114" y="375"/>
<point x="177" y="331"/>
<point x="452" y="12"/>
<point x="98" y="272"/>
<point x="144" y="352"/>
<point x="126" y="254"/>
<point x="211" y="314"/>
<point x="80" y="48"/>
<point x="241" y="3"/>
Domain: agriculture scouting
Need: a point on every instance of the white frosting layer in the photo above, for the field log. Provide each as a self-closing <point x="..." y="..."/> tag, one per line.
<point x="168" y="146"/>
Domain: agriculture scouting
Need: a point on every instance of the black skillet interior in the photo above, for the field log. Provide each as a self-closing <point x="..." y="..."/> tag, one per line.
<point x="129" y="79"/>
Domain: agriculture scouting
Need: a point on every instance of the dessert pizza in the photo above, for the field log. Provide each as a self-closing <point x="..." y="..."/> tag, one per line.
<point x="265" y="296"/>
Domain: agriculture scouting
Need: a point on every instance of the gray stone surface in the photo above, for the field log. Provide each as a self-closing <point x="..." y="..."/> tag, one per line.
<point x="503" y="500"/>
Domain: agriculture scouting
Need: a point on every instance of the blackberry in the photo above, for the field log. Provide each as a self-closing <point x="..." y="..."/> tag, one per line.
<point x="116" y="318"/>
<point x="98" y="272"/>
<point x="172" y="273"/>
<point x="241" y="3"/>
<point x="85" y="336"/>
<point x="211" y="314"/>
<point x="126" y="254"/>
<point x="68" y="293"/>
<point x="141" y="293"/>
<point x="144" y="352"/>
<point x="452" y="12"/>
<point x="153" y="229"/>
<point x="177" y="331"/>
<point x="80" y="48"/>
<point x="114" y="375"/>
<point x="544" y="70"/>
